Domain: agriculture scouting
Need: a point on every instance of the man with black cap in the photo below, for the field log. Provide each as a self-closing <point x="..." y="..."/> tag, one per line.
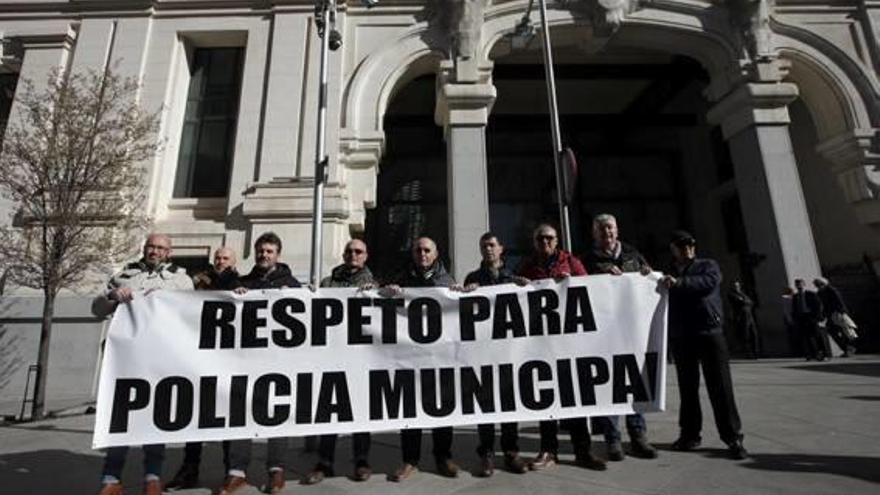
<point x="696" y="337"/>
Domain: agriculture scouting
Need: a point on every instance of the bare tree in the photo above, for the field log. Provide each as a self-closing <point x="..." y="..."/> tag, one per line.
<point x="72" y="165"/>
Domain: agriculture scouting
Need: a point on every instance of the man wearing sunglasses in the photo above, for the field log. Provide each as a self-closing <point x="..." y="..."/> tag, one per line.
<point x="550" y="261"/>
<point x="353" y="272"/>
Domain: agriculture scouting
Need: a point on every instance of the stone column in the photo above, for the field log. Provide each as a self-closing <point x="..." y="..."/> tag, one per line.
<point x="754" y="119"/>
<point x="463" y="111"/>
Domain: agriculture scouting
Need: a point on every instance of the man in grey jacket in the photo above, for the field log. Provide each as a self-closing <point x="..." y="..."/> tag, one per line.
<point x="353" y="272"/>
<point x="153" y="271"/>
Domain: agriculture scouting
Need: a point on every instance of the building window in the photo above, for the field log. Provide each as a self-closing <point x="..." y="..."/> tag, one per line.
<point x="206" y="144"/>
<point x="8" y="82"/>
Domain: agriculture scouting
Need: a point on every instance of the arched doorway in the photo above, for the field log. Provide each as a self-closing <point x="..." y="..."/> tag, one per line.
<point x="411" y="188"/>
<point x="636" y="120"/>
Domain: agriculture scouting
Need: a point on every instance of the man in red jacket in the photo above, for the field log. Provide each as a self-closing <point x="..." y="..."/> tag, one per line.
<point x="548" y="261"/>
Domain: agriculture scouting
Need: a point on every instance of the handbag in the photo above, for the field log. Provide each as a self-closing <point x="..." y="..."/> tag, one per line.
<point x="845" y="323"/>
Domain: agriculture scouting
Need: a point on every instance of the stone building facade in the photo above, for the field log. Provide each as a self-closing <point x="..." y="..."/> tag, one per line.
<point x="753" y="123"/>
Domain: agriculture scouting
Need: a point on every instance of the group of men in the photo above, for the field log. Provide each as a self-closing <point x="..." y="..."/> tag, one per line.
<point x="816" y="315"/>
<point x="695" y="318"/>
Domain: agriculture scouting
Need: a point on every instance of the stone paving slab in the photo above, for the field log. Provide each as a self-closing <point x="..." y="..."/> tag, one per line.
<point x="812" y="428"/>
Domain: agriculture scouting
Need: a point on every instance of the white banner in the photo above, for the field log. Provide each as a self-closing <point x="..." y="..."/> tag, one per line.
<point x="190" y="366"/>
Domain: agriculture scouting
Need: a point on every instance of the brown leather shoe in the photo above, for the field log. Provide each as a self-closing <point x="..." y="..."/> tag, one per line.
<point x="111" y="489"/>
<point x="362" y="472"/>
<point x="544" y="460"/>
<point x="233" y="484"/>
<point x="403" y="472"/>
<point x="589" y="461"/>
<point x="447" y="468"/>
<point x="487" y="466"/>
<point x="316" y="475"/>
<point x="514" y="463"/>
<point x="275" y="482"/>
<point x="152" y="487"/>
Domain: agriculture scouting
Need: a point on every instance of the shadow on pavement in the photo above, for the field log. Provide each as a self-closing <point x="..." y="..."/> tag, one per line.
<point x="851" y="368"/>
<point x="863" y="468"/>
<point x="866" y="398"/>
<point x="45" y="471"/>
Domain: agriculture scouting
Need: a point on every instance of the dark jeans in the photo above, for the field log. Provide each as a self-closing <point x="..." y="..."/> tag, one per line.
<point x="608" y="426"/>
<point x="192" y="454"/>
<point x="749" y="332"/>
<point x="411" y="444"/>
<point x="710" y="353"/>
<point x="509" y="438"/>
<point x="240" y="454"/>
<point x="114" y="460"/>
<point x="577" y="428"/>
<point x="360" y="446"/>
<point x="816" y="342"/>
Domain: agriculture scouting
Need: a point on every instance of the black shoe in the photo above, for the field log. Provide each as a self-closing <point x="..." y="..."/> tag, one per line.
<point x="615" y="451"/>
<point x="736" y="450"/>
<point x="589" y="461"/>
<point x="641" y="448"/>
<point x="187" y="477"/>
<point x="447" y="468"/>
<point x="686" y="444"/>
<point x="514" y="463"/>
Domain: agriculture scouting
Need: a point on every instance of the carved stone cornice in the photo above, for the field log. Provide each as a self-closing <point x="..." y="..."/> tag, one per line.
<point x="464" y="103"/>
<point x="360" y="152"/>
<point x="753" y="104"/>
<point x="855" y="160"/>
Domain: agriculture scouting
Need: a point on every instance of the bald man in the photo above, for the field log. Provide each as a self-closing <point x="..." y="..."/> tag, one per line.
<point x="424" y="270"/>
<point x="221" y="276"/>
<point x="153" y="271"/>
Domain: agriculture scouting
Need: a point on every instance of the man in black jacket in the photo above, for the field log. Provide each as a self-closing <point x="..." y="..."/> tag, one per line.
<point x="423" y="270"/>
<point x="221" y="276"/>
<point x="695" y="317"/>
<point x="807" y="312"/>
<point x="353" y="272"/>
<point x="611" y="255"/>
<point x="835" y="312"/>
<point x="493" y="272"/>
<point x="743" y="306"/>
<point x="267" y="273"/>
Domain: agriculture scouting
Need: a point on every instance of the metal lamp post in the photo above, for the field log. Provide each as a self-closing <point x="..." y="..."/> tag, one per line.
<point x="524" y="29"/>
<point x="331" y="40"/>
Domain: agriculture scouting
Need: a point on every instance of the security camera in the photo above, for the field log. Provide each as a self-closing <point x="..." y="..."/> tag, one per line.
<point x="335" y="40"/>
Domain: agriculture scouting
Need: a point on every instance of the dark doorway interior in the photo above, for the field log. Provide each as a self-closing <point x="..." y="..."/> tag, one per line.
<point x="632" y="127"/>
<point x="411" y="195"/>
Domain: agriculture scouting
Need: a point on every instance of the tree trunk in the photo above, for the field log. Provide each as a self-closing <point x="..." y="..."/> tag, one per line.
<point x="39" y="405"/>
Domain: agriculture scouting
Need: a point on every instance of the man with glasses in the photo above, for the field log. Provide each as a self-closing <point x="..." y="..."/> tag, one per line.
<point x="353" y="272"/>
<point x="153" y="271"/>
<point x="549" y="261"/>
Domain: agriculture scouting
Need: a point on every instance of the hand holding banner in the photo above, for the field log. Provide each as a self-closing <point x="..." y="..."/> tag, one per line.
<point x="199" y="366"/>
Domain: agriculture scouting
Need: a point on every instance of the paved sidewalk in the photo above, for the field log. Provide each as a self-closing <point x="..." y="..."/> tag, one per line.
<point x="812" y="428"/>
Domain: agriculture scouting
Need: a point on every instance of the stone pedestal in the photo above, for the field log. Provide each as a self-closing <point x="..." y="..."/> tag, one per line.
<point x="754" y="120"/>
